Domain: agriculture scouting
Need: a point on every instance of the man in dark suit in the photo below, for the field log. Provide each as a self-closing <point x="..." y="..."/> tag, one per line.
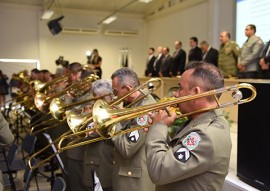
<point x="265" y="61"/>
<point x="210" y="54"/>
<point x="195" y="53"/>
<point x="157" y="62"/>
<point x="178" y="60"/>
<point x="150" y="62"/>
<point x="165" y="68"/>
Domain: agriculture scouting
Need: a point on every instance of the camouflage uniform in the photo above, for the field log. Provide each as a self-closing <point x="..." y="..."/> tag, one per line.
<point x="227" y="58"/>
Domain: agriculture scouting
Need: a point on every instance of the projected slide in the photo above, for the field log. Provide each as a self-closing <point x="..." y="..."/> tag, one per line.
<point x="255" y="12"/>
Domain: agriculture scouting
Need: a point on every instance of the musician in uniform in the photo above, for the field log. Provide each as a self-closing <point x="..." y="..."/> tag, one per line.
<point x="129" y="171"/>
<point x="197" y="157"/>
<point x="75" y="156"/>
<point x="98" y="155"/>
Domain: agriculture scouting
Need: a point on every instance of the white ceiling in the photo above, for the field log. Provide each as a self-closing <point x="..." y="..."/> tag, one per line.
<point x="121" y="6"/>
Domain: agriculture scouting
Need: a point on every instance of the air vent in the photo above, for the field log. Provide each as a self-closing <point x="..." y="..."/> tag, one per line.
<point x="84" y="31"/>
<point x="120" y="33"/>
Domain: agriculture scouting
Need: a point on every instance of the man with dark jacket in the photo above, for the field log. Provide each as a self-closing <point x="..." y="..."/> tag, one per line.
<point x="195" y="53"/>
<point x="210" y="54"/>
<point x="178" y="60"/>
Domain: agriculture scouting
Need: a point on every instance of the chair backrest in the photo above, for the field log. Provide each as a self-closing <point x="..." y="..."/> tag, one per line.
<point x="50" y="141"/>
<point x="59" y="184"/>
<point x="28" y="144"/>
<point x="28" y="174"/>
<point x="12" y="153"/>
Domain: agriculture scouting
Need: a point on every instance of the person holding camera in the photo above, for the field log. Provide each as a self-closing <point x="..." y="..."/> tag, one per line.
<point x="94" y="61"/>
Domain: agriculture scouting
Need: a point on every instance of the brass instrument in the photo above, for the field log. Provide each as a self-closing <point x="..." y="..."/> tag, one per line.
<point x="42" y="101"/>
<point x="73" y="120"/>
<point x="77" y="123"/>
<point x="42" y="87"/>
<point x="58" y="108"/>
<point x="105" y="117"/>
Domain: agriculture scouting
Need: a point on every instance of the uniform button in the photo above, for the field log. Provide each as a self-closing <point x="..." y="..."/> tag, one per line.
<point x="129" y="173"/>
<point x="114" y="148"/>
<point x="92" y="162"/>
<point x="113" y="162"/>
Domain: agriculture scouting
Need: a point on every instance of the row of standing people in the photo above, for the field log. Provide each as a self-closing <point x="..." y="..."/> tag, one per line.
<point x="251" y="61"/>
<point x="166" y="65"/>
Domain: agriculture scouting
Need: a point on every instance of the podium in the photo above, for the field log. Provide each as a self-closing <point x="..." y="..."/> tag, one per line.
<point x="253" y="152"/>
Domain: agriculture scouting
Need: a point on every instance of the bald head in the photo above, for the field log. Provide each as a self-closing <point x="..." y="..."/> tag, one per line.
<point x="224" y="37"/>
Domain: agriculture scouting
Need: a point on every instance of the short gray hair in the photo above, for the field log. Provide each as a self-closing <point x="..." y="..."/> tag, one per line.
<point x="102" y="87"/>
<point x="126" y="76"/>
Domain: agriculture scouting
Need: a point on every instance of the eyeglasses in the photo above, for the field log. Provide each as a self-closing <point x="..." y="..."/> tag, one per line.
<point x="115" y="92"/>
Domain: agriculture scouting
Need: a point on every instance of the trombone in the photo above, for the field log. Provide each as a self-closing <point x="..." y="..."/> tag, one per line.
<point x="42" y="87"/>
<point x="152" y="85"/>
<point x="77" y="123"/>
<point x="105" y="117"/>
<point x="59" y="109"/>
<point x="41" y="100"/>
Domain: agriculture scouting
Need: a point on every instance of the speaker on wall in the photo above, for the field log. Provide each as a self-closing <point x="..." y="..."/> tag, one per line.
<point x="253" y="153"/>
<point x="55" y="25"/>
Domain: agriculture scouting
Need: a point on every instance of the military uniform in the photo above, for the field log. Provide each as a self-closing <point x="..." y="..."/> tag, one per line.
<point x="75" y="163"/>
<point x="6" y="138"/>
<point x="228" y="58"/>
<point x="129" y="171"/>
<point x="197" y="158"/>
<point x="98" y="157"/>
<point x="250" y="53"/>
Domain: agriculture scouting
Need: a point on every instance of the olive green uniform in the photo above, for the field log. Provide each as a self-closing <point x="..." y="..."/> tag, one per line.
<point x="197" y="158"/>
<point x="130" y="171"/>
<point x="98" y="157"/>
<point x="75" y="163"/>
<point x="228" y="58"/>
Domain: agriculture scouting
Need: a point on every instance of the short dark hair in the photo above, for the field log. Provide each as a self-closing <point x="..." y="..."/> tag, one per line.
<point x="44" y="71"/>
<point x="207" y="73"/>
<point x="35" y="70"/>
<point x="75" y="67"/>
<point x="152" y="49"/>
<point x="195" y="39"/>
<point x="253" y="27"/>
<point x="126" y="76"/>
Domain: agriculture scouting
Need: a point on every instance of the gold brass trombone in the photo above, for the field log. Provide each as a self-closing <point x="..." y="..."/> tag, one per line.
<point x="42" y="101"/>
<point x="152" y="85"/>
<point x="78" y="122"/>
<point x="105" y="117"/>
<point x="41" y="87"/>
<point x="58" y="108"/>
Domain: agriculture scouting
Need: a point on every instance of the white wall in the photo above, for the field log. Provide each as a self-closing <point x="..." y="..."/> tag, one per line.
<point x="204" y="20"/>
<point x="23" y="35"/>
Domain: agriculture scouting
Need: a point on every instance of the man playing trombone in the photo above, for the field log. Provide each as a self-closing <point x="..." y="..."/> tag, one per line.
<point x="197" y="157"/>
<point x="129" y="171"/>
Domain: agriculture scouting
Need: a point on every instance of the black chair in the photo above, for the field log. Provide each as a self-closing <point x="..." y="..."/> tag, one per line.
<point x="12" y="165"/>
<point x="57" y="157"/>
<point x="29" y="174"/>
<point x="28" y="145"/>
<point x="59" y="184"/>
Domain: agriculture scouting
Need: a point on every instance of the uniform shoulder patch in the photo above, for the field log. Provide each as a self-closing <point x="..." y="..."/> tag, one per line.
<point x="134" y="136"/>
<point x="191" y="141"/>
<point x="182" y="154"/>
